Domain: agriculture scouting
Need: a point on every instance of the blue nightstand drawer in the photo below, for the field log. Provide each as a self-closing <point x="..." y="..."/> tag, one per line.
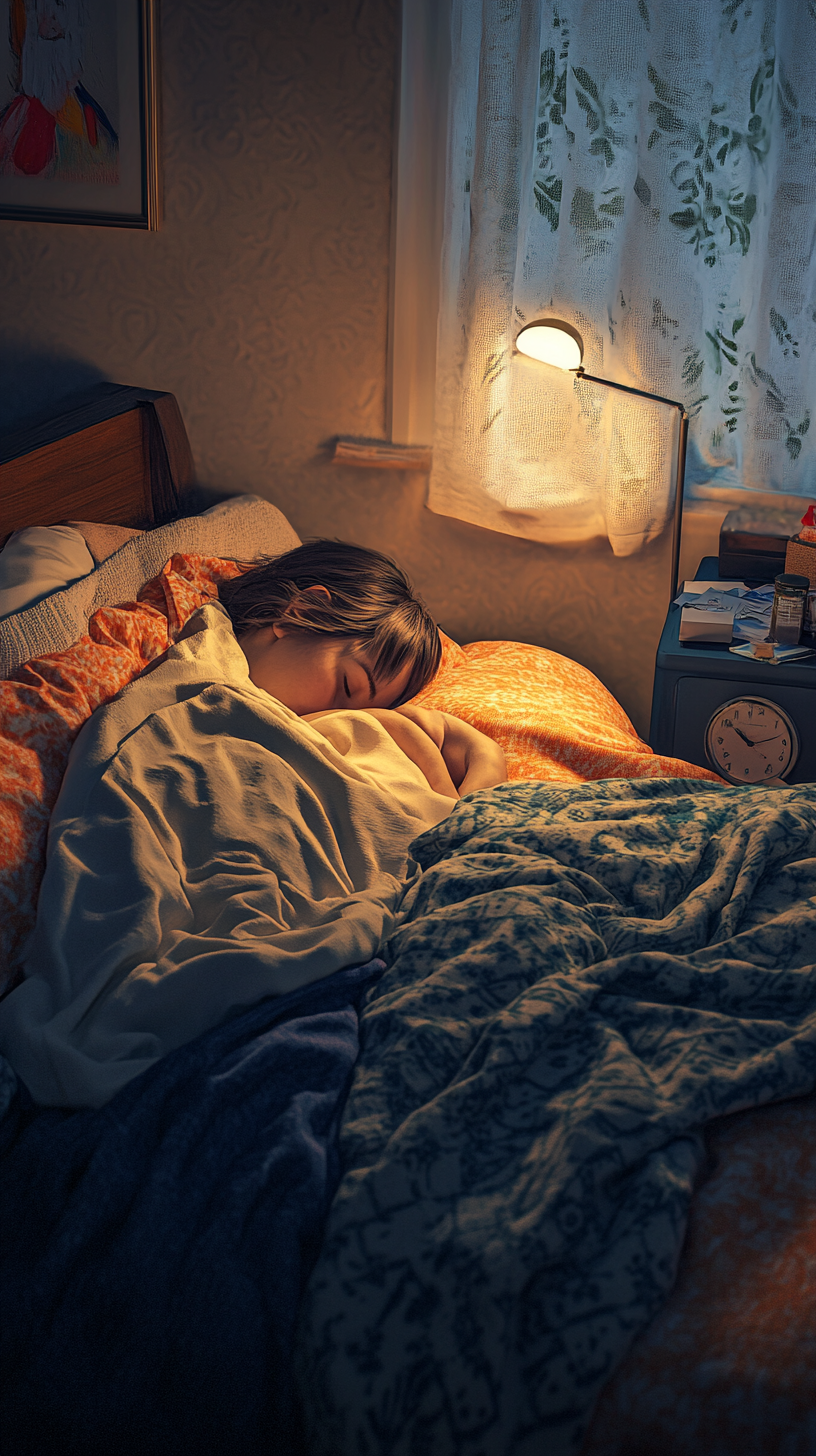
<point x="691" y="682"/>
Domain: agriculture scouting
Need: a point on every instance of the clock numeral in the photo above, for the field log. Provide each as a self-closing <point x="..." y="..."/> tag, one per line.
<point x="784" y="742"/>
<point x="719" y="740"/>
<point x="746" y="773"/>
<point x="727" y="723"/>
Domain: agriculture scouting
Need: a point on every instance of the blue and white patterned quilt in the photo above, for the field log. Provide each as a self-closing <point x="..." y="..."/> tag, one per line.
<point x="582" y="979"/>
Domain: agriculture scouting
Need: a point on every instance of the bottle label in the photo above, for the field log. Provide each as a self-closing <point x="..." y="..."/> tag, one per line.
<point x="789" y="610"/>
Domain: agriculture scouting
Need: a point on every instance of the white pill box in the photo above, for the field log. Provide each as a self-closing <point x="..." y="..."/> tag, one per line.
<point x="699" y="625"/>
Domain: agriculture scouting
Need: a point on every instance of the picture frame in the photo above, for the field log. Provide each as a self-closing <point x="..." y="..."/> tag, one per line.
<point x="79" y="112"/>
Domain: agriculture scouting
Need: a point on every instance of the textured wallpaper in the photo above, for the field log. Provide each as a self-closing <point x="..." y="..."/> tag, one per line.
<point x="262" y="305"/>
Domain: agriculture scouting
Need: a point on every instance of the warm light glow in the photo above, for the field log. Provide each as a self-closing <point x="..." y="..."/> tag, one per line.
<point x="552" y="342"/>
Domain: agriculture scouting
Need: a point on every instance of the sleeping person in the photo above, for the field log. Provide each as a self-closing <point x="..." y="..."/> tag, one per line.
<point x="237" y="822"/>
<point x="330" y="626"/>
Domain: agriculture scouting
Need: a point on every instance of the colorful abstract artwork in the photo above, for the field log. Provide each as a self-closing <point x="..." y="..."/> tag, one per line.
<point x="54" y="125"/>
<point x="78" y="111"/>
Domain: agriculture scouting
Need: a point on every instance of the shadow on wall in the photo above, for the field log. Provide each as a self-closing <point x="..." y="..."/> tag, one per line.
<point x="32" y="382"/>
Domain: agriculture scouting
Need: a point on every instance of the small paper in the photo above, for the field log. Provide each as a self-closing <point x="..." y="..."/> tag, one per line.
<point x="753" y="616"/>
<point x="694" y="588"/>
<point x="751" y="629"/>
<point x="713" y="596"/>
<point x="780" y="654"/>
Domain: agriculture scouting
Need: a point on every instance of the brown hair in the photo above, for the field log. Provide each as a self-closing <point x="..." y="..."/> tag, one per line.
<point x="371" y="601"/>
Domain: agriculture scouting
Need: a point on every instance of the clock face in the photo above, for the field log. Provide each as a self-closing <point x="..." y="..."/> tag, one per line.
<point x="751" y="741"/>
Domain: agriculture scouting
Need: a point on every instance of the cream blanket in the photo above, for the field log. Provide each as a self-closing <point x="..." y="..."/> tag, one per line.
<point x="208" y="848"/>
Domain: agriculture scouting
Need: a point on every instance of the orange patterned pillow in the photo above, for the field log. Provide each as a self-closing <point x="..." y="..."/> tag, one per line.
<point x="43" y="706"/>
<point x="552" y="717"/>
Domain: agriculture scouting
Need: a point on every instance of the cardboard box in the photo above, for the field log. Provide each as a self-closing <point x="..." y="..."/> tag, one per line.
<point x="697" y="625"/>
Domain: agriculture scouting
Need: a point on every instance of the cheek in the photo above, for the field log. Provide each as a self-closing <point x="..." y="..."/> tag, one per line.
<point x="390" y="692"/>
<point x="314" y="678"/>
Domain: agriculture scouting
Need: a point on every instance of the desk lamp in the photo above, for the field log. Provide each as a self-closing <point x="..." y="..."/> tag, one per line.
<point x="551" y="341"/>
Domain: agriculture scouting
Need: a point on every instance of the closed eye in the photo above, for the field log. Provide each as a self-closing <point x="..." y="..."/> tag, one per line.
<point x="346" y="686"/>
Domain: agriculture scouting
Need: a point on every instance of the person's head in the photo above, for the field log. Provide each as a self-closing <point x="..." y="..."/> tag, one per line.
<point x="331" y="625"/>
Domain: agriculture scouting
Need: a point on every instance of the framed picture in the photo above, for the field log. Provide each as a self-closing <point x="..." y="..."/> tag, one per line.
<point x="79" y="101"/>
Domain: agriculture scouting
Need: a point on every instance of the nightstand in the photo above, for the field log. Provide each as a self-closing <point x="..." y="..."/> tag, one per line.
<point x="692" y="681"/>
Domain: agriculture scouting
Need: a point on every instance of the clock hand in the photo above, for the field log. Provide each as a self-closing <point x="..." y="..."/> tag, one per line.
<point x="759" y="743"/>
<point x="749" y="741"/>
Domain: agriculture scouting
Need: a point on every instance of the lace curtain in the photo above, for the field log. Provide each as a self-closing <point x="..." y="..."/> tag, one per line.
<point x="647" y="172"/>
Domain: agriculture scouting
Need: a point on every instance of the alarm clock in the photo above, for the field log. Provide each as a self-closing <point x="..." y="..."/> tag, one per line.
<point x="751" y="740"/>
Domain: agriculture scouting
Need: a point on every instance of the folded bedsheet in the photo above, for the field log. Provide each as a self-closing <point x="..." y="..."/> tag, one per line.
<point x="153" y="1252"/>
<point x="208" y="848"/>
<point x="583" y="978"/>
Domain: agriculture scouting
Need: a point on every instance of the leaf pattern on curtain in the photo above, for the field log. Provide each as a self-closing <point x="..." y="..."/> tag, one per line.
<point x="648" y="174"/>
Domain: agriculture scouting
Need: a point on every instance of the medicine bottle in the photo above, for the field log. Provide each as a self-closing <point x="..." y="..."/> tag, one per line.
<point x="790" y="596"/>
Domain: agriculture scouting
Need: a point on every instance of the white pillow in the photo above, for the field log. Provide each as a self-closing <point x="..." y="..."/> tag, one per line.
<point x="243" y="528"/>
<point x="40" y="560"/>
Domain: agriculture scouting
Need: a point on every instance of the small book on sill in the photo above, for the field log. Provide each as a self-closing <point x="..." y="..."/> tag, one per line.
<point x="382" y="454"/>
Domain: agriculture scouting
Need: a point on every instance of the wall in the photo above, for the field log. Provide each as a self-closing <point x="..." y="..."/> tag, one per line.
<point x="262" y="305"/>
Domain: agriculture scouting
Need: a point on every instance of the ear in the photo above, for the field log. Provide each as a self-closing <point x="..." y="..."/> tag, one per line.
<point x="298" y="600"/>
<point x="281" y="629"/>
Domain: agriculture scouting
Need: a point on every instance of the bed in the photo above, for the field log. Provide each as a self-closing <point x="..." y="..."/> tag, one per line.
<point x="536" y="1175"/>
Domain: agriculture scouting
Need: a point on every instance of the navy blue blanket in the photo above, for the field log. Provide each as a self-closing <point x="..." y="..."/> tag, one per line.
<point x="153" y="1252"/>
<point x="581" y="979"/>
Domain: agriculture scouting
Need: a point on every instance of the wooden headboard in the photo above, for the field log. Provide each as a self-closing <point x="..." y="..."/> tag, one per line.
<point x="119" y="455"/>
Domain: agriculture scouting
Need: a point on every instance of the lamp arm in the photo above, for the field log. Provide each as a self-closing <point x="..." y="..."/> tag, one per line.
<point x="682" y="442"/>
<point x="677" y="530"/>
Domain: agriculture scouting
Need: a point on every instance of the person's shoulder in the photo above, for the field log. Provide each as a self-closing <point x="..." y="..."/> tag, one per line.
<point x="429" y="719"/>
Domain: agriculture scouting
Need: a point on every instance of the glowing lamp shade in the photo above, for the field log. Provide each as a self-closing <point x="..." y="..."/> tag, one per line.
<point x="552" y="342"/>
